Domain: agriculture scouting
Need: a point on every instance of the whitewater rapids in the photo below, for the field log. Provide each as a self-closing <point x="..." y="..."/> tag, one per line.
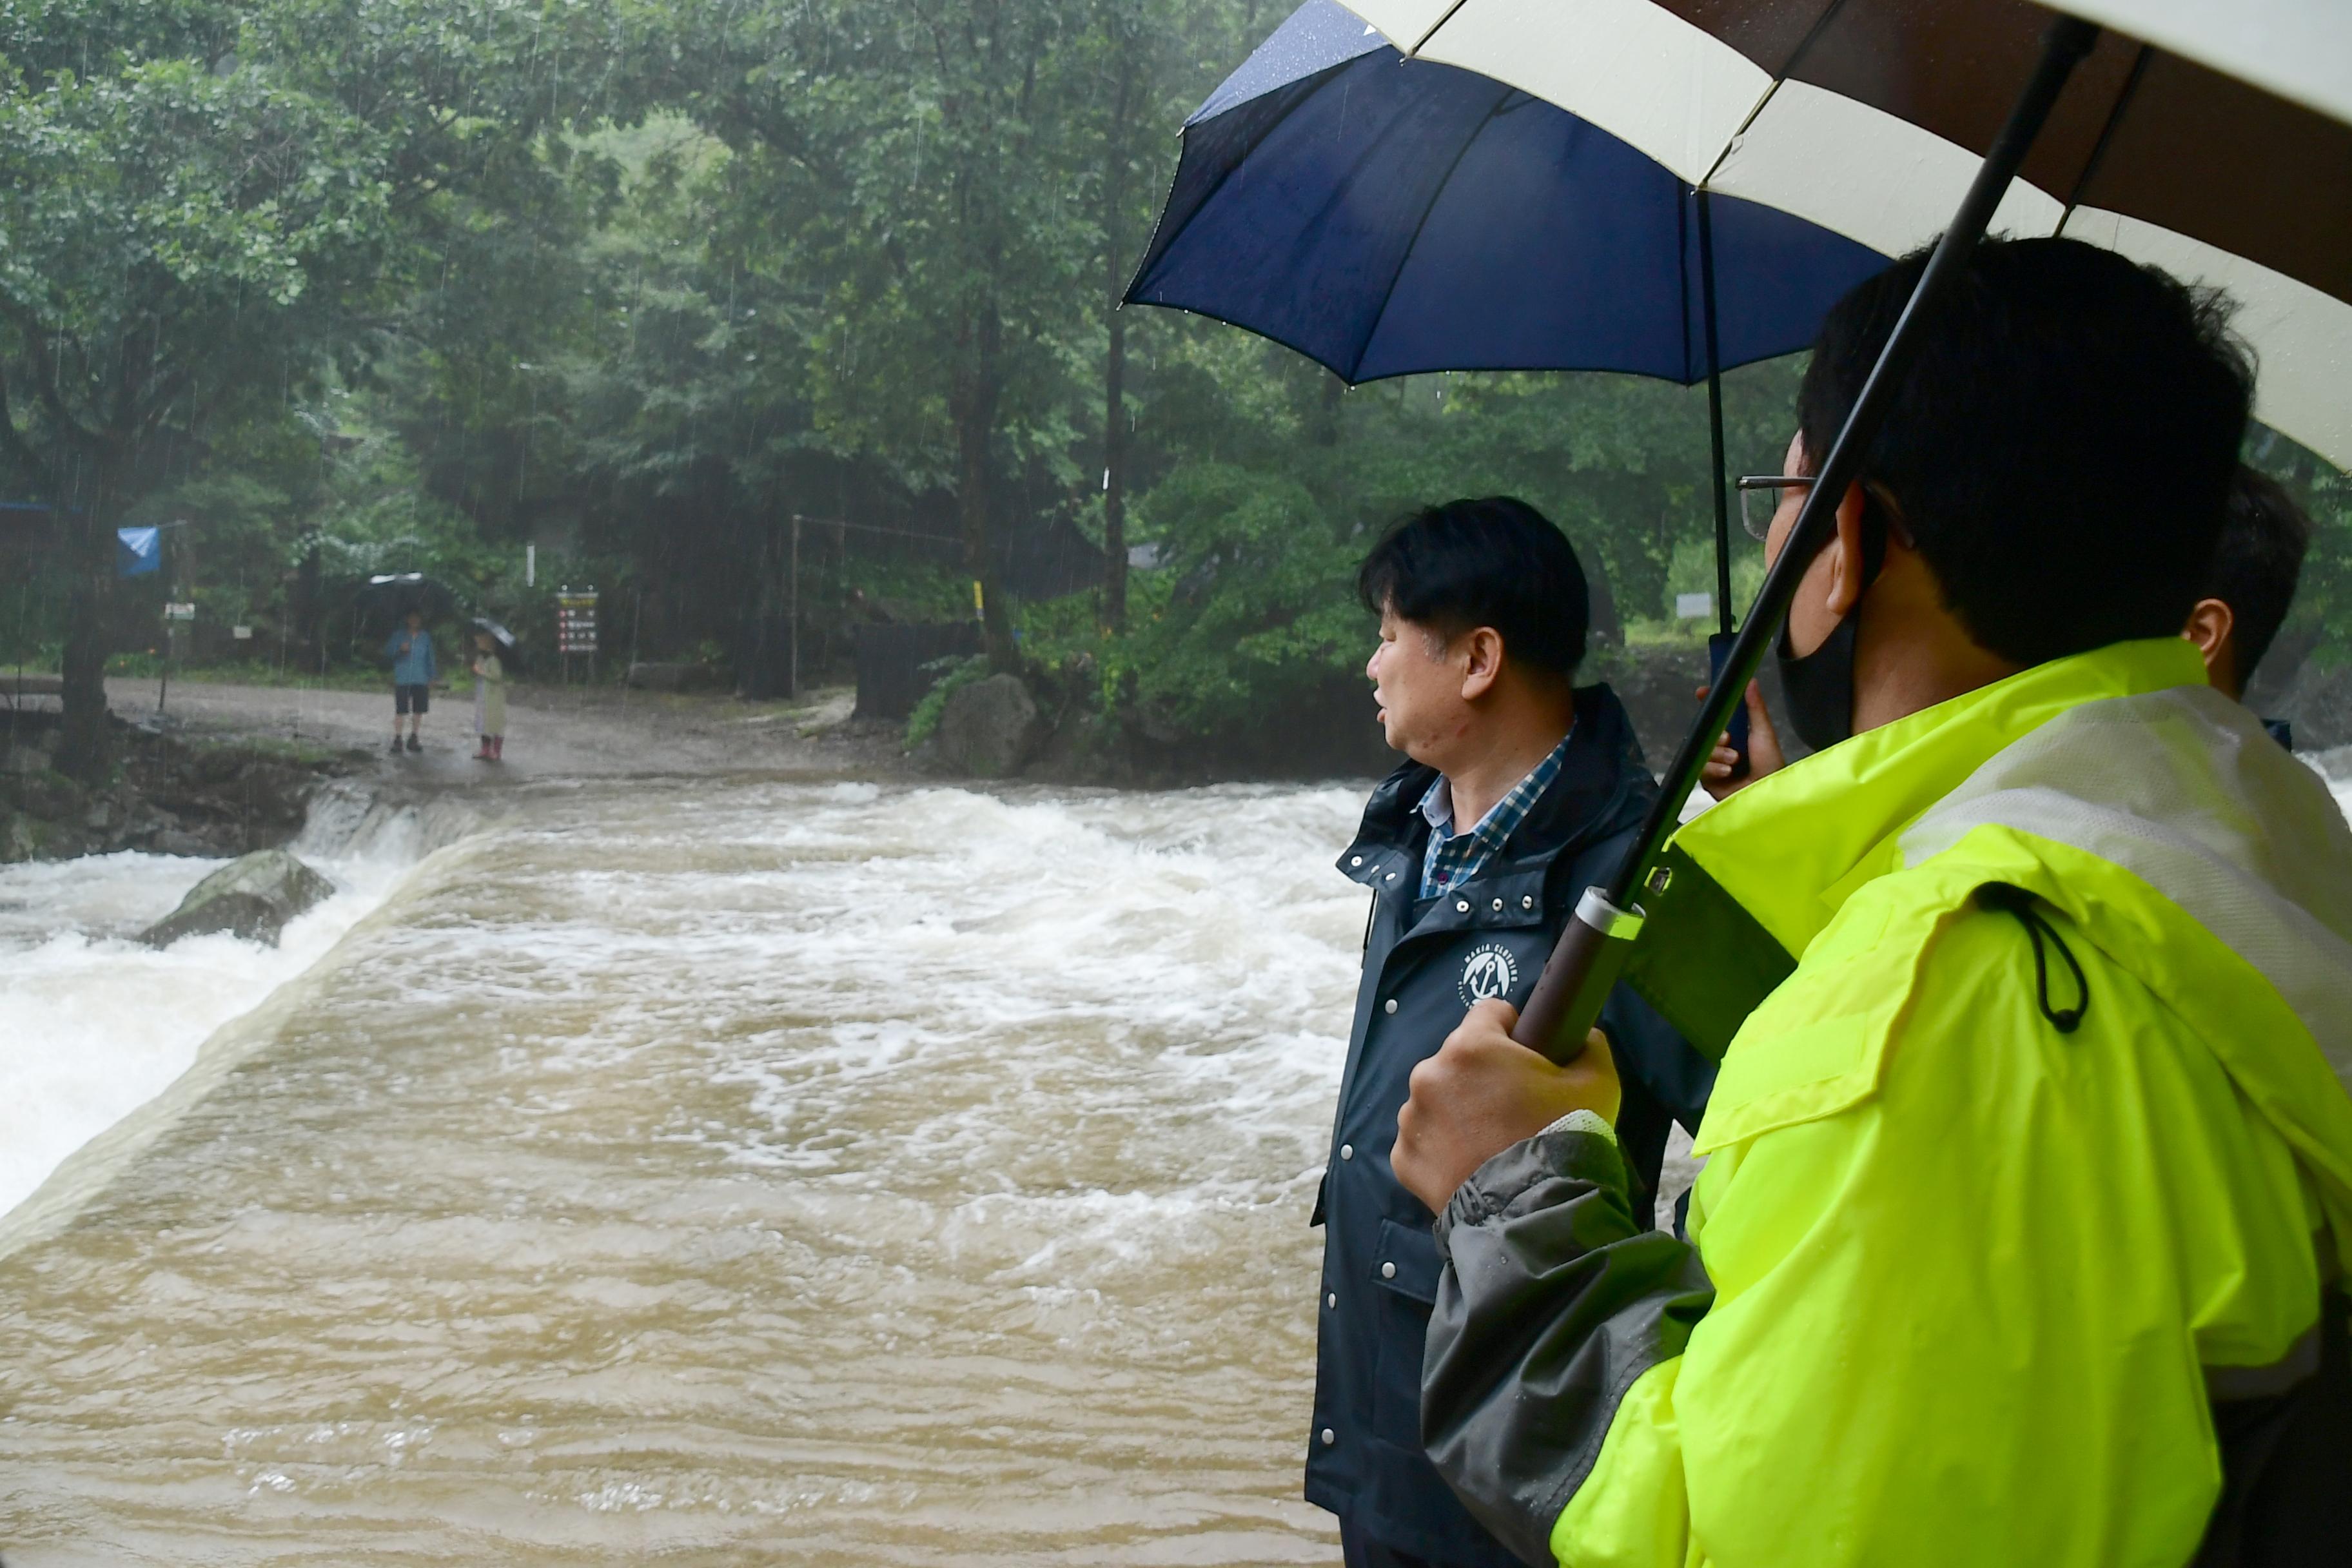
<point x="729" y="1171"/>
<point x="715" y="1171"/>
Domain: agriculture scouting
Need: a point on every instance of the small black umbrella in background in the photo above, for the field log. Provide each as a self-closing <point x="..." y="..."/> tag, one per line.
<point x="509" y="651"/>
<point x="385" y="599"/>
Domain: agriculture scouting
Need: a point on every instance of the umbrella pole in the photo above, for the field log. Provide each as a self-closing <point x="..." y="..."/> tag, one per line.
<point x="1593" y="945"/>
<point x="1715" y="417"/>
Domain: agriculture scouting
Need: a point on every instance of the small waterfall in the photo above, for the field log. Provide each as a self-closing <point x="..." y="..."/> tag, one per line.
<point x="350" y="819"/>
<point x="99" y="1025"/>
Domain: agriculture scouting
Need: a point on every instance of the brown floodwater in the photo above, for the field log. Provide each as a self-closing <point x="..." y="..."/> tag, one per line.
<point x="725" y="1172"/>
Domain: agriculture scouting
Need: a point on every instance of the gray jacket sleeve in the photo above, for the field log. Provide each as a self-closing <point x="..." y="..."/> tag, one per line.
<point x="1551" y="1302"/>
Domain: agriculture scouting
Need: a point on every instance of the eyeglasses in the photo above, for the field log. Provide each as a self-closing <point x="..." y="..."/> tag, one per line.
<point x="1759" y="498"/>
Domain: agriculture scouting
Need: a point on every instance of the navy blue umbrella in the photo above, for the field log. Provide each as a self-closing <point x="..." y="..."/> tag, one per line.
<point x="1389" y="217"/>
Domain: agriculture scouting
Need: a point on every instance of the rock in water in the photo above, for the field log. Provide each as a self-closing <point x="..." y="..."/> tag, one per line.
<point x="253" y="898"/>
<point x="989" y="727"/>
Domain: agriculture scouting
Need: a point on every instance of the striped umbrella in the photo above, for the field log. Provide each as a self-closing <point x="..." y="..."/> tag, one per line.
<point x="2212" y="139"/>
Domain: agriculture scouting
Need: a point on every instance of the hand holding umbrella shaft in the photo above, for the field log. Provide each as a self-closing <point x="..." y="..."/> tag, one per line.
<point x="1484" y="1091"/>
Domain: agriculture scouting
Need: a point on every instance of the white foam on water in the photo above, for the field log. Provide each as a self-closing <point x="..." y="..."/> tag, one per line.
<point x="94" y="1024"/>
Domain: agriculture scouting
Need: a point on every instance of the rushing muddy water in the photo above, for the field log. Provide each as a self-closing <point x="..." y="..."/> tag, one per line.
<point x="725" y="1172"/>
<point x="702" y="1172"/>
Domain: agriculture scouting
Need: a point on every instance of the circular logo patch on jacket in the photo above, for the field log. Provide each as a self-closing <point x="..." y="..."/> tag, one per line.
<point x="1488" y="974"/>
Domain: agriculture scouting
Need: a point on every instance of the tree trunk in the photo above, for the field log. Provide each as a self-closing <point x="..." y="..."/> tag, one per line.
<point x="86" y="743"/>
<point x="1115" y="474"/>
<point x="1327" y="422"/>
<point x="1114" y="189"/>
<point x="972" y="400"/>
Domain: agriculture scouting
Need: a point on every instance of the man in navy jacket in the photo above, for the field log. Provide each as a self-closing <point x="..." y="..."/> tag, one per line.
<point x="1522" y="791"/>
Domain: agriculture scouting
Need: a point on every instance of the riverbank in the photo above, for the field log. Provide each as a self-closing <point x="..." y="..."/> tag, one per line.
<point x="223" y="770"/>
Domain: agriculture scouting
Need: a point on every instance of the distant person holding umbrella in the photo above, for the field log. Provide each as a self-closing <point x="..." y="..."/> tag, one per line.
<point x="410" y="648"/>
<point x="490" y="697"/>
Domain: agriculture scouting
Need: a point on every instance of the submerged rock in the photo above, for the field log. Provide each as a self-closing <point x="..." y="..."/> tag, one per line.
<point x="989" y="727"/>
<point x="252" y="897"/>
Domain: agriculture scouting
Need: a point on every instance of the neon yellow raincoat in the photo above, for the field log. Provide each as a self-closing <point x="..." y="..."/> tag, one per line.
<point x="2029" y="1165"/>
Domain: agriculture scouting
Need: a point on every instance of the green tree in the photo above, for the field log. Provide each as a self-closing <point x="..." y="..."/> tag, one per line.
<point x="204" y="208"/>
<point x="917" y="152"/>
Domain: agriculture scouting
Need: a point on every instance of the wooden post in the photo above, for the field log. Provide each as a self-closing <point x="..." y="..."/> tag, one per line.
<point x="793" y="667"/>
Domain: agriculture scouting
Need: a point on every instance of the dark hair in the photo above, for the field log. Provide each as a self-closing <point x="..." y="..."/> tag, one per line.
<point x="1495" y="563"/>
<point x="2255" y="568"/>
<point x="2062" y="447"/>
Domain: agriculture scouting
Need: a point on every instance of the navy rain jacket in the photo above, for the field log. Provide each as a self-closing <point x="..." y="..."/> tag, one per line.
<point x="1426" y="961"/>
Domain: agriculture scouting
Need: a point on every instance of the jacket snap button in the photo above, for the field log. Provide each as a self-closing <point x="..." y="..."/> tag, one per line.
<point x="1332" y="1300"/>
<point x="1387" y="1270"/>
<point x="1391" y="1004"/>
<point x="1393" y="876"/>
<point x="1526" y="900"/>
<point x="1498" y="903"/>
<point x="1462" y="906"/>
<point x="1347" y="1150"/>
<point x="1330" y="1437"/>
<point x="1355" y="859"/>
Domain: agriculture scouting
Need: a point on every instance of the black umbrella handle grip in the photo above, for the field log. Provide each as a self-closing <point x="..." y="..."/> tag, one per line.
<point x="1567" y="997"/>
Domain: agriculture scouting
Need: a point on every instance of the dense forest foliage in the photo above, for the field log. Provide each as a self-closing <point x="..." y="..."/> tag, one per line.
<point x="363" y="286"/>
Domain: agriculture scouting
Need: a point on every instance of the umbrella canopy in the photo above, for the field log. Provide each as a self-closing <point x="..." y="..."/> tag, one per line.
<point x="509" y="651"/>
<point x="2208" y="140"/>
<point x="1388" y="217"/>
<point x="393" y="594"/>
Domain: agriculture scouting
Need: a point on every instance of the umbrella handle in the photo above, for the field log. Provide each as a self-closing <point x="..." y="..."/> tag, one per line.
<point x="1575" y="981"/>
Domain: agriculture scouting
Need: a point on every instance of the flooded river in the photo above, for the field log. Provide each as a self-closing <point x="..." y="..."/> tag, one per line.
<point x="717" y="1172"/>
<point x="704" y="1171"/>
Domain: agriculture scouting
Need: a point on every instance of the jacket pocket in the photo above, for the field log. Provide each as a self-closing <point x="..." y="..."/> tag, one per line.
<point x="1406" y="1262"/>
<point x="1405" y="1266"/>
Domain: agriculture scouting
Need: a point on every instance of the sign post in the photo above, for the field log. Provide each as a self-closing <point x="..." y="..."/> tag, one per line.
<point x="575" y="628"/>
<point x="176" y="613"/>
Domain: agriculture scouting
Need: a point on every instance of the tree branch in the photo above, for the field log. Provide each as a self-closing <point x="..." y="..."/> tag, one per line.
<point x="45" y="372"/>
<point x="13" y="442"/>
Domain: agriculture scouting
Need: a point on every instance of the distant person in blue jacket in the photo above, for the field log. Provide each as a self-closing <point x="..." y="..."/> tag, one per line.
<point x="410" y="652"/>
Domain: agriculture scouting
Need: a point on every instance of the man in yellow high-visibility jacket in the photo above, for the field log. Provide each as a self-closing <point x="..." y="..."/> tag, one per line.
<point x="2031" y="1156"/>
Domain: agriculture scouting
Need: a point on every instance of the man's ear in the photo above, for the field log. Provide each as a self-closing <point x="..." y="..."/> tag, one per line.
<point x="2209" y="627"/>
<point x="1846" y="585"/>
<point x="1483" y="648"/>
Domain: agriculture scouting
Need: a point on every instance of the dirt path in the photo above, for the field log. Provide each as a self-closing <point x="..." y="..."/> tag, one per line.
<point x="552" y="732"/>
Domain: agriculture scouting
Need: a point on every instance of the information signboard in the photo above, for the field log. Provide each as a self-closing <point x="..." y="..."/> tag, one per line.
<point x="575" y="621"/>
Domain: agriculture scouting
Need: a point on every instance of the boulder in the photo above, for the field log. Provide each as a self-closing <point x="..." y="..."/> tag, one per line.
<point x="252" y="897"/>
<point x="989" y="727"/>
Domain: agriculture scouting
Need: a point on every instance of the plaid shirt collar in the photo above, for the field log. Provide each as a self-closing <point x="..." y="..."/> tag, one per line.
<point x="1453" y="858"/>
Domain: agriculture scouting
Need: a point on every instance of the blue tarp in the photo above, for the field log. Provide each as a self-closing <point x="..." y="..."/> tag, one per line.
<point x="137" y="551"/>
<point x="1387" y="217"/>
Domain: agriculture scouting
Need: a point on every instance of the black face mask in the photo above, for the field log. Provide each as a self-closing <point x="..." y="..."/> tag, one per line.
<point x="1819" y="686"/>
